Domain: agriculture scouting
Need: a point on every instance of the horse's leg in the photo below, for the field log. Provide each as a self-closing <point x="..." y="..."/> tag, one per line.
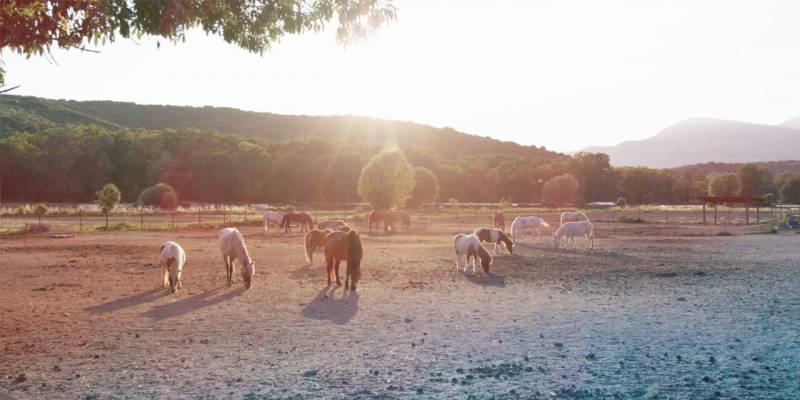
<point x="165" y="281"/>
<point x="328" y="267"/>
<point x="225" y="260"/>
<point x="336" y="269"/>
<point x="347" y="277"/>
<point x="458" y="259"/>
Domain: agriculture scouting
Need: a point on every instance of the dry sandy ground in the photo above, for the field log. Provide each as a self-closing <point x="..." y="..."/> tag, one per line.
<point x="643" y="316"/>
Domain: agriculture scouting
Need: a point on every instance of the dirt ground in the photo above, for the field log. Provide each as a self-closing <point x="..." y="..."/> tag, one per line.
<point x="650" y="313"/>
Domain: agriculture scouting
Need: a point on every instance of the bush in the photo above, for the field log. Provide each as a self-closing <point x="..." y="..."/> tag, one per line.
<point x="621" y="202"/>
<point x="160" y="194"/>
<point x="387" y="180"/>
<point x="505" y="202"/>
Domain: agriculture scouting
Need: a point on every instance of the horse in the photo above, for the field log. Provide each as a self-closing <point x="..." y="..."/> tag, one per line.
<point x="570" y="216"/>
<point x="301" y="218"/>
<point x="527" y="224"/>
<point x="470" y="246"/>
<point x="495" y="236"/>
<point x="272" y="217"/>
<point x="172" y="260"/>
<point x="402" y="216"/>
<point x="500" y="221"/>
<point x="314" y="239"/>
<point x="344" y="246"/>
<point x="572" y="229"/>
<point x="378" y="216"/>
<point x="334" y="225"/>
<point x="232" y="245"/>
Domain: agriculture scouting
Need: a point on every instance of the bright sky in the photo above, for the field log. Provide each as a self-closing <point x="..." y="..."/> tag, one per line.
<point x="560" y="74"/>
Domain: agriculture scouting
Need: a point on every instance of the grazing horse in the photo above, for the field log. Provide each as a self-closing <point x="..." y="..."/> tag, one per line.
<point x="569" y="216"/>
<point x="172" y="261"/>
<point x="301" y="218"/>
<point x="470" y="246"/>
<point x="232" y="245"/>
<point x="500" y="221"/>
<point x="344" y="246"/>
<point x="272" y="218"/>
<point x="527" y="224"/>
<point x="314" y="239"/>
<point x="378" y="216"/>
<point x="495" y="236"/>
<point x="573" y="229"/>
<point x="403" y="217"/>
<point x="334" y="225"/>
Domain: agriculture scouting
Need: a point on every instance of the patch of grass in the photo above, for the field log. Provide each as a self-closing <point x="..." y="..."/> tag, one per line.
<point x="122" y="226"/>
<point x="625" y="219"/>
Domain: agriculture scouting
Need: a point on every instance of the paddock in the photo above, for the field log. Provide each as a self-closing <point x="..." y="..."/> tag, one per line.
<point x="714" y="308"/>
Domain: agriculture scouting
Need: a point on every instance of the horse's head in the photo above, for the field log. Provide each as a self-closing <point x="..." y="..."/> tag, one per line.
<point x="507" y="241"/>
<point x="174" y="277"/>
<point x="248" y="271"/>
<point x="486" y="259"/>
<point x="557" y="238"/>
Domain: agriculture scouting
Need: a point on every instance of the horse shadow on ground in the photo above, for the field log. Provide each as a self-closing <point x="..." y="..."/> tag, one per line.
<point x="196" y="302"/>
<point x="593" y="253"/>
<point x="326" y="306"/>
<point x="130" y="301"/>
<point x="486" y="280"/>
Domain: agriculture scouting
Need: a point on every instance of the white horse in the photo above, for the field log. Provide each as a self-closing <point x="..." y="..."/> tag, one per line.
<point x="527" y="224"/>
<point x="172" y="260"/>
<point x="232" y="245"/>
<point x="570" y="216"/>
<point x="470" y="246"/>
<point x="573" y="229"/>
<point x="273" y="217"/>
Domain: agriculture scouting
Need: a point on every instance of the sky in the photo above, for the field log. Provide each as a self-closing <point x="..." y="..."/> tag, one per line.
<point x="564" y="75"/>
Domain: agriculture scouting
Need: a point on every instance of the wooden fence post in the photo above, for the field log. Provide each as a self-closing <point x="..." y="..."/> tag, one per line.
<point x="141" y="219"/>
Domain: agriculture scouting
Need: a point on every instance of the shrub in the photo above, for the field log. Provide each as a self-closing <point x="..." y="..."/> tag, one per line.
<point x="160" y="194"/>
<point x="630" y="220"/>
<point x="621" y="202"/>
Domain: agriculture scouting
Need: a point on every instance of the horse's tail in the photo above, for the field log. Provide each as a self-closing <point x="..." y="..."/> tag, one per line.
<point x="284" y="221"/>
<point x="354" y="249"/>
<point x="545" y="224"/>
<point x="309" y="252"/>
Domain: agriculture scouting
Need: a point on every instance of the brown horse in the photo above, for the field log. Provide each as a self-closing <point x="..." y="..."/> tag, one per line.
<point x="378" y="216"/>
<point x="403" y="217"/>
<point x="344" y="246"/>
<point x="500" y="221"/>
<point x="315" y="239"/>
<point x="301" y="218"/>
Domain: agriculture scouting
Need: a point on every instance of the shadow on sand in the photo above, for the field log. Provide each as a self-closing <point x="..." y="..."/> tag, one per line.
<point x="326" y="306"/>
<point x="486" y="280"/>
<point x="310" y="269"/>
<point x="129" y="301"/>
<point x="196" y="302"/>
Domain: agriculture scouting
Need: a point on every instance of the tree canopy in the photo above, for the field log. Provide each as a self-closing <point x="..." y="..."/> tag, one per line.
<point x="387" y="180"/>
<point x="724" y="184"/>
<point x="426" y="188"/>
<point x="34" y="27"/>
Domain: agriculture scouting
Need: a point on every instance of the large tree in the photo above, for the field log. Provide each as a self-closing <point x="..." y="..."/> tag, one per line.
<point x="426" y="188"/>
<point x="34" y="27"/>
<point x="753" y="178"/>
<point x="387" y="180"/>
<point x="790" y="191"/>
<point x="724" y="184"/>
<point x="560" y="190"/>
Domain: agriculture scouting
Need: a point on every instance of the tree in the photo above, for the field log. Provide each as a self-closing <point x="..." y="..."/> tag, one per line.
<point x="753" y="178"/>
<point x="621" y="202"/>
<point x="426" y="188"/>
<point x="562" y="189"/>
<point x="33" y="27"/>
<point x="790" y="191"/>
<point x="783" y="177"/>
<point x="160" y="194"/>
<point x="387" y="180"/>
<point x="39" y="210"/>
<point x="724" y="184"/>
<point x="107" y="198"/>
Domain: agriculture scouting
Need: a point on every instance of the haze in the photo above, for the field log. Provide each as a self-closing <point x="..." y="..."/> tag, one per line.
<point x="562" y="75"/>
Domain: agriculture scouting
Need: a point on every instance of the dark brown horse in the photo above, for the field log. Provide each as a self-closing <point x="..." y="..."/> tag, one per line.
<point x="378" y="216"/>
<point x="403" y="217"/>
<point x="299" y="218"/>
<point x="315" y="239"/>
<point x="500" y="221"/>
<point x="344" y="246"/>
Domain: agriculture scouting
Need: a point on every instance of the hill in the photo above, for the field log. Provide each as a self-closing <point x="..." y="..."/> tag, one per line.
<point x="775" y="167"/>
<point x="24" y="113"/>
<point x="701" y="140"/>
<point x="793" y="123"/>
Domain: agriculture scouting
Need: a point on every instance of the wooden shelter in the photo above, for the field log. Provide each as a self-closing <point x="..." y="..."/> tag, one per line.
<point x="746" y="201"/>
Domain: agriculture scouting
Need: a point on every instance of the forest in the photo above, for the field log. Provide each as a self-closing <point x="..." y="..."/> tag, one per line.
<point x="64" y="151"/>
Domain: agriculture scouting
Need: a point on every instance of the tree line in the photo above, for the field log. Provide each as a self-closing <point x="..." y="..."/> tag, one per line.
<point x="70" y="163"/>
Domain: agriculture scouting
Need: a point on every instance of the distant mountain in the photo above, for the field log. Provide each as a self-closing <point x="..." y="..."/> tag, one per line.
<point x="793" y="123"/>
<point x="31" y="114"/>
<point x="775" y="167"/>
<point x="702" y="140"/>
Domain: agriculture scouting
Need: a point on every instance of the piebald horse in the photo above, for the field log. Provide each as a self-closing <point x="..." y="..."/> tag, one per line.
<point x="334" y="225"/>
<point x="570" y="216"/>
<point x="378" y="216"/>
<point x="527" y="224"/>
<point x="272" y="218"/>
<point x="495" y="236"/>
<point x="344" y="246"/>
<point x="470" y="246"/>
